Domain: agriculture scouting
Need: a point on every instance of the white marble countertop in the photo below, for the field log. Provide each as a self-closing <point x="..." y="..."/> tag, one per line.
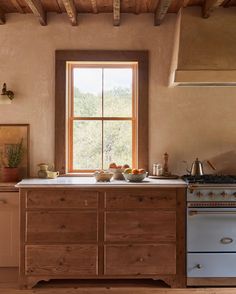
<point x="90" y="182"/>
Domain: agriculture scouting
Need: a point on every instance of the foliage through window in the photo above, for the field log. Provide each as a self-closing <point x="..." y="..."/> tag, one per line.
<point x="102" y="114"/>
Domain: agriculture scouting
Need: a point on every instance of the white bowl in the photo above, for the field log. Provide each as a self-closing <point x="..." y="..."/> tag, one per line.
<point x="117" y="173"/>
<point x="135" y="178"/>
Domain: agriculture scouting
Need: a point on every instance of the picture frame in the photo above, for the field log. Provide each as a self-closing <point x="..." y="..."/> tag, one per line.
<point x="10" y="135"/>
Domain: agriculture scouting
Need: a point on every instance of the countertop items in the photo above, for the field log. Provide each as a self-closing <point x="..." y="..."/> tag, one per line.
<point x="91" y="182"/>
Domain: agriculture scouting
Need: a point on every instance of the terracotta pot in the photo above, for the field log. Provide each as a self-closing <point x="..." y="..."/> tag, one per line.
<point x="10" y="174"/>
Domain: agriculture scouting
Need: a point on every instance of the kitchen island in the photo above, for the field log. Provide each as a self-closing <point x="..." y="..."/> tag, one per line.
<point x="75" y="228"/>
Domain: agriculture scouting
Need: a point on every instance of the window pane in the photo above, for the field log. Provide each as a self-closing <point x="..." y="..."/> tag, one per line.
<point x="118" y="92"/>
<point x="87" y="92"/>
<point x="117" y="142"/>
<point x="87" y="145"/>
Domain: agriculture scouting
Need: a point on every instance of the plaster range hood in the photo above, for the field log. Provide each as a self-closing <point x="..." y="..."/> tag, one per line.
<point x="201" y="56"/>
<point x="205" y="78"/>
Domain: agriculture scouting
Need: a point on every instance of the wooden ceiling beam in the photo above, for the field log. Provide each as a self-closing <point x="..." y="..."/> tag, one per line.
<point x="116" y="12"/>
<point x="137" y="6"/>
<point x="17" y="6"/>
<point x="185" y="4"/>
<point x="94" y="6"/>
<point x="161" y="11"/>
<point x="37" y="9"/>
<point x="2" y="17"/>
<point x="71" y="11"/>
<point x="209" y="6"/>
<point x="226" y="3"/>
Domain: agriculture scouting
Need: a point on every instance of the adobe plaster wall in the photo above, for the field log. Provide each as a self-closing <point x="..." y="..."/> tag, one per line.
<point x="185" y="122"/>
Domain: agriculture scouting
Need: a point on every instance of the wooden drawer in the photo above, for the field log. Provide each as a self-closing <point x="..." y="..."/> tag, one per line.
<point x="53" y="226"/>
<point x="140" y="259"/>
<point x="144" y="226"/>
<point x="61" y="199"/>
<point x="61" y="260"/>
<point x="161" y="198"/>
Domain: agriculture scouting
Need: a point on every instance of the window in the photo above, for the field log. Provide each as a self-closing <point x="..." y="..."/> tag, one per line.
<point x="102" y="114"/>
<point x="101" y="110"/>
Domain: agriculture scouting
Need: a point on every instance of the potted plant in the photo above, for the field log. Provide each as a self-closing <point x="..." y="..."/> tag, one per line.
<point x="14" y="156"/>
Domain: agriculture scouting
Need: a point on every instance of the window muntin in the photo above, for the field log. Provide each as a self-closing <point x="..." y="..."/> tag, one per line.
<point x="102" y="115"/>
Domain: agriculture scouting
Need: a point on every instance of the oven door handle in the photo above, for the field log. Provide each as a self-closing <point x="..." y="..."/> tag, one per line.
<point x="196" y="212"/>
<point x="226" y="240"/>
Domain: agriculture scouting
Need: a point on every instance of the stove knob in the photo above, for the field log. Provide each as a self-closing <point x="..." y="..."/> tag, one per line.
<point x="199" y="194"/>
<point x="211" y="194"/>
<point x="223" y="194"/>
<point x="234" y="194"/>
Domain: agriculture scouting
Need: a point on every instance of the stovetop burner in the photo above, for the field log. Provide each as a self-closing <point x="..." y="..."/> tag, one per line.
<point x="210" y="179"/>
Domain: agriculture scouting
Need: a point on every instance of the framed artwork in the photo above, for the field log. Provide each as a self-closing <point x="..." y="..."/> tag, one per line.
<point x="10" y="135"/>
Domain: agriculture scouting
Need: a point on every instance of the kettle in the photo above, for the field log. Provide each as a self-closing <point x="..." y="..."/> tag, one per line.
<point x="197" y="168"/>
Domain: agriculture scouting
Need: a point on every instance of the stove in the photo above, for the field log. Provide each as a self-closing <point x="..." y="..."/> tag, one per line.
<point x="210" y="179"/>
<point x="211" y="229"/>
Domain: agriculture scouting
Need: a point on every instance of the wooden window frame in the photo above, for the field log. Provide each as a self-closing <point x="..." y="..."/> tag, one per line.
<point x="61" y="107"/>
<point x="72" y="118"/>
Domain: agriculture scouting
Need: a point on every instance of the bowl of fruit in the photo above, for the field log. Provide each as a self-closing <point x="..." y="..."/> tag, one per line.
<point x="103" y="176"/>
<point x="117" y="170"/>
<point x="134" y="175"/>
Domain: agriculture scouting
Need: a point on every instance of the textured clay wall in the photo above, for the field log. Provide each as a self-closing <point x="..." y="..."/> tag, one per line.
<point x="185" y="122"/>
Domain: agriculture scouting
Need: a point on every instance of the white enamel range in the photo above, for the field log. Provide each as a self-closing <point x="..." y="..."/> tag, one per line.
<point x="211" y="230"/>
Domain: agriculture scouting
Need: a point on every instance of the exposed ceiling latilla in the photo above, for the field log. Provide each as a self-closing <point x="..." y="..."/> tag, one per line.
<point x="116" y="12"/>
<point x="71" y="11"/>
<point x="161" y="11"/>
<point x="159" y="8"/>
<point x="37" y="9"/>
<point x="209" y="6"/>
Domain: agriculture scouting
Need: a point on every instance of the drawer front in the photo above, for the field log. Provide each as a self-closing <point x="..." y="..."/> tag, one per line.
<point x="210" y="265"/>
<point x="58" y="260"/>
<point x="144" y="226"/>
<point x="61" y="199"/>
<point x="165" y="198"/>
<point x="140" y="259"/>
<point x="9" y="200"/>
<point x="74" y="226"/>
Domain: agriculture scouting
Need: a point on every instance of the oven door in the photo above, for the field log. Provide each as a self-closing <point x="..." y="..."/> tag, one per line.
<point x="211" y="229"/>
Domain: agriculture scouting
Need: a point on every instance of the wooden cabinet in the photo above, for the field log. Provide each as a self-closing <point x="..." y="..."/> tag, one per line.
<point x="9" y="229"/>
<point x="102" y="233"/>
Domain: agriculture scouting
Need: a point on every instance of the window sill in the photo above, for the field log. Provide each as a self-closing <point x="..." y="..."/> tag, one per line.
<point x="77" y="175"/>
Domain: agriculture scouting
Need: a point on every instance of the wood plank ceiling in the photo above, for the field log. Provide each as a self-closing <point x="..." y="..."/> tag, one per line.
<point x="159" y="8"/>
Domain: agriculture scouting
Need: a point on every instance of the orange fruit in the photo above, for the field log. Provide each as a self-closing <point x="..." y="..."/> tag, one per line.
<point x="135" y="171"/>
<point x="141" y="171"/>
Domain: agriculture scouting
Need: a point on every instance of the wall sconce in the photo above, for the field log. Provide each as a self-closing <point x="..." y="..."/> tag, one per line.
<point x="6" y="92"/>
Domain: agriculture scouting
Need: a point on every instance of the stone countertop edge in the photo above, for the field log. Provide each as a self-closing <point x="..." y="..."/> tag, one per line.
<point x="90" y="182"/>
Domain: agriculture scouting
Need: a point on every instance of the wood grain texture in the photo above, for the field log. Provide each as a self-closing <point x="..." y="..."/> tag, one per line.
<point x="134" y="242"/>
<point x="53" y="227"/>
<point x="38" y="10"/>
<point x="94" y="6"/>
<point x="209" y="6"/>
<point x="60" y="101"/>
<point x="61" y="199"/>
<point x="71" y="11"/>
<point x="2" y="17"/>
<point x="67" y="260"/>
<point x="143" y="226"/>
<point x="140" y="259"/>
<point x="161" y="198"/>
<point x="161" y="11"/>
<point x="116" y="12"/>
<point x="17" y="6"/>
